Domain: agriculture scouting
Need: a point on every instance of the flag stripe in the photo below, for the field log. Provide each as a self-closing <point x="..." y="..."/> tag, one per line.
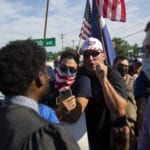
<point x="123" y="12"/>
<point x="112" y="9"/>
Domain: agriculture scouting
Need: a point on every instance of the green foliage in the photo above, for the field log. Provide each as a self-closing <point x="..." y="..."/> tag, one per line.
<point x="122" y="47"/>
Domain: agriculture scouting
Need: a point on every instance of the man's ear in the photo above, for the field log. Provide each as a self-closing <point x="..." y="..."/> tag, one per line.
<point x="38" y="82"/>
<point x="42" y="79"/>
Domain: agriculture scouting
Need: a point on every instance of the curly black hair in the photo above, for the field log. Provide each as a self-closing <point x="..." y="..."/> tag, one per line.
<point x="20" y="63"/>
<point x="71" y="54"/>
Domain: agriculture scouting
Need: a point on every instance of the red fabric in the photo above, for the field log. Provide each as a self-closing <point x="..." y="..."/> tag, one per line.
<point x="115" y="10"/>
<point x="62" y="81"/>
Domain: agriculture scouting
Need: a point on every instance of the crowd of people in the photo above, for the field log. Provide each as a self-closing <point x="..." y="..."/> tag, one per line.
<point x="92" y="106"/>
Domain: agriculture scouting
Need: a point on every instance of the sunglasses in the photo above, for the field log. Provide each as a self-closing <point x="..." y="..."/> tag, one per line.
<point x="64" y="68"/>
<point x="92" y="53"/>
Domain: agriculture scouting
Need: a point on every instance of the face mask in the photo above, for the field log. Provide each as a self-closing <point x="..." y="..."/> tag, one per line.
<point x="146" y="66"/>
<point x="63" y="80"/>
<point x="122" y="70"/>
<point x="69" y="74"/>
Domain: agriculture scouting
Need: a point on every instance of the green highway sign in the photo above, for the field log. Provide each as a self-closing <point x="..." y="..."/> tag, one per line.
<point x="47" y="42"/>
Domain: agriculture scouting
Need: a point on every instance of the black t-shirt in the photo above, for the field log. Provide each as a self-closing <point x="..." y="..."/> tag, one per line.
<point x="97" y="114"/>
<point x="80" y="88"/>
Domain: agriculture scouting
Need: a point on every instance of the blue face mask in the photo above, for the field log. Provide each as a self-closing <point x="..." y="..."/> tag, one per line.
<point x="69" y="74"/>
<point x="68" y="71"/>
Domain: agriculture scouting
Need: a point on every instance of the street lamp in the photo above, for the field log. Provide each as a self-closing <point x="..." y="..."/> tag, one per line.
<point x="62" y="37"/>
<point x="73" y="43"/>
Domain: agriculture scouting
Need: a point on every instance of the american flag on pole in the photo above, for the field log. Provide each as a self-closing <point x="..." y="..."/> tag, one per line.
<point x="86" y="25"/>
<point x="115" y="10"/>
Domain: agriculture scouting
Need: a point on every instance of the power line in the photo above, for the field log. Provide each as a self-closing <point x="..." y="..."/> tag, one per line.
<point x="130" y="26"/>
<point x="133" y="34"/>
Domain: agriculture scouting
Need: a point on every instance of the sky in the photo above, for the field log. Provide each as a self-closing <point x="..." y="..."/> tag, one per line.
<point x="22" y="19"/>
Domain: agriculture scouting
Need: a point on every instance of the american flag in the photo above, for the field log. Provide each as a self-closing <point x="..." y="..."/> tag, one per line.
<point x="63" y="82"/>
<point x="115" y="10"/>
<point x="86" y="28"/>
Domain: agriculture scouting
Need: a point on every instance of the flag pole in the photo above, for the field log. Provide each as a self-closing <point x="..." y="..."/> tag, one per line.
<point x="78" y="51"/>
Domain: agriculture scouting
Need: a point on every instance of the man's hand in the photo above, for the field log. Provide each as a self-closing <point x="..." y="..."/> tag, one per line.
<point x="101" y="70"/>
<point x="69" y="103"/>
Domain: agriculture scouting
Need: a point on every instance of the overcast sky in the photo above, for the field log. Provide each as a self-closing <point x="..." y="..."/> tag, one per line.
<point x="21" y="19"/>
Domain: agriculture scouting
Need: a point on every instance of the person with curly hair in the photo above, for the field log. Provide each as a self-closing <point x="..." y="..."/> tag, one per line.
<point x="24" y="82"/>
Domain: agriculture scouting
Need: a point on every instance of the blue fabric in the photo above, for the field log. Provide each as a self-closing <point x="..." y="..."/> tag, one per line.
<point x="139" y="90"/>
<point x="48" y="114"/>
<point x="51" y="72"/>
<point x="144" y="139"/>
<point x="101" y="33"/>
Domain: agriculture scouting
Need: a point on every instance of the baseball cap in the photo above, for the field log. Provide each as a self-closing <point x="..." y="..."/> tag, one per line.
<point x="91" y="44"/>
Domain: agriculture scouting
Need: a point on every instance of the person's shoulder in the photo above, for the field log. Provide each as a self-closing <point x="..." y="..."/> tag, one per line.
<point x="112" y="73"/>
<point x="43" y="107"/>
<point x="24" y="114"/>
<point x="131" y="78"/>
<point x="111" y="69"/>
<point x="48" y="113"/>
<point x="82" y="78"/>
<point x="82" y="71"/>
<point x="51" y="136"/>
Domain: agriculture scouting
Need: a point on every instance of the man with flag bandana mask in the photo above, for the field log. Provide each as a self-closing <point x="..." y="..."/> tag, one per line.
<point x="70" y="111"/>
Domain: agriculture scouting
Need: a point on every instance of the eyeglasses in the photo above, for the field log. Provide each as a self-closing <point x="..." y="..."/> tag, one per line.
<point x="92" y="53"/>
<point x="64" y="68"/>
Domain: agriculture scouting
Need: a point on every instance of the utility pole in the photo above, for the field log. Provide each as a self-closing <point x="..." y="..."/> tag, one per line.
<point x="62" y="38"/>
<point x="46" y="16"/>
<point x="73" y="43"/>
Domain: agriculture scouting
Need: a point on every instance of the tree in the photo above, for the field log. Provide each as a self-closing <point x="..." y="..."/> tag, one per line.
<point x="135" y="50"/>
<point x="121" y="46"/>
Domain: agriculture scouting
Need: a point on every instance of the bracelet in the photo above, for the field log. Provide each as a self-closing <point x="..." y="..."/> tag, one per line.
<point x="57" y="100"/>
